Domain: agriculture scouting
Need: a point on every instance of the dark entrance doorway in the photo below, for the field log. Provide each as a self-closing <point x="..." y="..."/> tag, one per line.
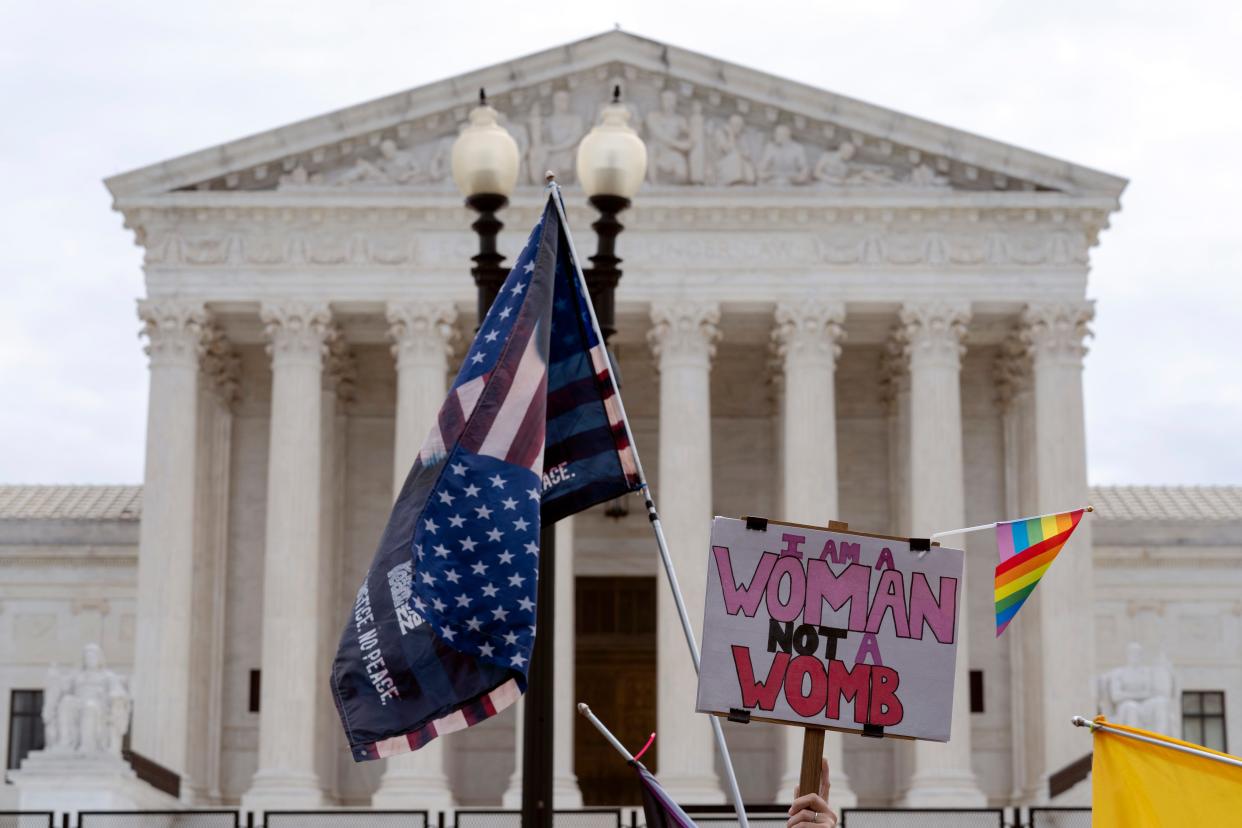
<point x="615" y="673"/>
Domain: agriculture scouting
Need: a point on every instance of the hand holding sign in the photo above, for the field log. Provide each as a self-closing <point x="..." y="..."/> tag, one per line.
<point x="813" y="807"/>
<point x="825" y="629"/>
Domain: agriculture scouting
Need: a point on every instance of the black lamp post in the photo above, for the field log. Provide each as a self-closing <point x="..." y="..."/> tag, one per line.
<point x="612" y="161"/>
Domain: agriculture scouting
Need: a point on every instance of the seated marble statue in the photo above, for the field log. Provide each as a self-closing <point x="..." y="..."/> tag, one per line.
<point x="784" y="160"/>
<point x="1141" y="695"/>
<point x="85" y="710"/>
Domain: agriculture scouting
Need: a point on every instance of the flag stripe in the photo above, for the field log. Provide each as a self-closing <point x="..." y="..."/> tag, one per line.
<point x="528" y="443"/>
<point x="528" y="379"/>
<point x="1026" y="563"/>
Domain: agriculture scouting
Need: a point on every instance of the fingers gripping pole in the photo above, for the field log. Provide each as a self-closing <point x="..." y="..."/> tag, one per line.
<point x="666" y="559"/>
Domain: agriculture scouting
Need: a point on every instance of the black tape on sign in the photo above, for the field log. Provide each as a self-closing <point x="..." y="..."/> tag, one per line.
<point x="873" y="731"/>
<point x="920" y="544"/>
<point x="757" y="524"/>
<point x="738" y="715"/>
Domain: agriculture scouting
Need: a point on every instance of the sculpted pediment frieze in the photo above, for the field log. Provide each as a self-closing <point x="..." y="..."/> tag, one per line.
<point x="697" y="136"/>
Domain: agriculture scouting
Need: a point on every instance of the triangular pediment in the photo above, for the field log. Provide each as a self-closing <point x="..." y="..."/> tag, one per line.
<point x="707" y="123"/>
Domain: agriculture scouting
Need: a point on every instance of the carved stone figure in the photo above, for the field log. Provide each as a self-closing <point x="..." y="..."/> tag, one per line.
<point x="833" y="167"/>
<point x="394" y="166"/>
<point x="86" y="710"/>
<point x="732" y="164"/>
<point x="696" y="159"/>
<point x="554" y="140"/>
<point x="784" y="160"/>
<point x="299" y="177"/>
<point x="1141" y="695"/>
<point x="669" y="142"/>
<point x="925" y="176"/>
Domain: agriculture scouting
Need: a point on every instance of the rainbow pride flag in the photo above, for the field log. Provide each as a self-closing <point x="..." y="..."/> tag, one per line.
<point x="1027" y="548"/>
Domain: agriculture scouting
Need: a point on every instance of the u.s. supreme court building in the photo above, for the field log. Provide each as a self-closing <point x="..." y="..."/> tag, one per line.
<point x="829" y="310"/>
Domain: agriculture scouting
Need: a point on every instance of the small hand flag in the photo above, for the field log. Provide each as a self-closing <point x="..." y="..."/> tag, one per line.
<point x="1027" y="548"/>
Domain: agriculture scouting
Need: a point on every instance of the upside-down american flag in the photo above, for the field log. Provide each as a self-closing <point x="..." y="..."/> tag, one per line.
<point x="441" y="631"/>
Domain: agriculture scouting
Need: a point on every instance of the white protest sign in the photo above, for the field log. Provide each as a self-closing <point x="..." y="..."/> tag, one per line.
<point x="830" y="629"/>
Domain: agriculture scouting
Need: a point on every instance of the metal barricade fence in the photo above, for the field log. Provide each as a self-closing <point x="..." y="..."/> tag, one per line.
<point x="26" y="819"/>
<point x="723" y="816"/>
<point x="923" y="818"/>
<point x="1059" y="818"/>
<point x="158" y="819"/>
<point x="585" y="818"/>
<point x="346" y="819"/>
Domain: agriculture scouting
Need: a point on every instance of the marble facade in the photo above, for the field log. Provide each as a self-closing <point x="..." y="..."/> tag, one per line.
<point x="823" y="304"/>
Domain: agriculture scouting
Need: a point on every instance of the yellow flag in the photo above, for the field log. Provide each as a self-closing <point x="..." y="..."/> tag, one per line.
<point x="1136" y="783"/>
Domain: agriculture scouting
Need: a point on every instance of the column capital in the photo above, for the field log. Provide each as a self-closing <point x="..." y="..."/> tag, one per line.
<point x="1011" y="371"/>
<point x="297" y="331"/>
<point x="340" y="367"/>
<point x="221" y="365"/>
<point x="174" y="329"/>
<point x="683" y="331"/>
<point x="420" y="330"/>
<point x="812" y="328"/>
<point x="934" y="331"/>
<point x="894" y="369"/>
<point x="1057" y="329"/>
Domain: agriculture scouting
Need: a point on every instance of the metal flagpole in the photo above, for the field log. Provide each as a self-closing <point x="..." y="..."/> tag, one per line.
<point x="654" y="517"/>
<point x="1093" y="726"/>
<point x="994" y="524"/>
<point x="605" y="732"/>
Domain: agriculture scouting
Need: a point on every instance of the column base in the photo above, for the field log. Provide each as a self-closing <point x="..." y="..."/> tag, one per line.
<point x="414" y="793"/>
<point x="943" y="789"/>
<point x="693" y="790"/>
<point x="566" y="795"/>
<point x="283" y="790"/>
<point x="408" y="782"/>
<point x="512" y="799"/>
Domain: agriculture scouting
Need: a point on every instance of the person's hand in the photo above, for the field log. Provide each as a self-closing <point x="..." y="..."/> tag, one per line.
<point x="812" y="809"/>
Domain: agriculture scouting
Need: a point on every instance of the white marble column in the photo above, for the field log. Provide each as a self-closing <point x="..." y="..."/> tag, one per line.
<point x="422" y="334"/>
<point x="683" y="340"/>
<point x="219" y="390"/>
<point x="292" y="675"/>
<point x="1057" y="623"/>
<point x="163" y="628"/>
<point x="1013" y="397"/>
<point x="565" y="791"/>
<point x="807" y="337"/>
<point x="940" y="774"/>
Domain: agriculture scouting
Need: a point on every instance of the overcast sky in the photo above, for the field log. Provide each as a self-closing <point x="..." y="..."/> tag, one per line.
<point x="1149" y="91"/>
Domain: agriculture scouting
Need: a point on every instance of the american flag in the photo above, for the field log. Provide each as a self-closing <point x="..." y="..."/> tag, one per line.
<point x="441" y="632"/>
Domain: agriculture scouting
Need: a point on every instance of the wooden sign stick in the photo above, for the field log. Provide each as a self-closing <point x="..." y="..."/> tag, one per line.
<point x="813" y="737"/>
<point x="812" y="756"/>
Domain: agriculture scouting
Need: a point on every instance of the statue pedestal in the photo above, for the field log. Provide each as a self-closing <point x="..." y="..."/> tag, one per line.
<point x="72" y="782"/>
